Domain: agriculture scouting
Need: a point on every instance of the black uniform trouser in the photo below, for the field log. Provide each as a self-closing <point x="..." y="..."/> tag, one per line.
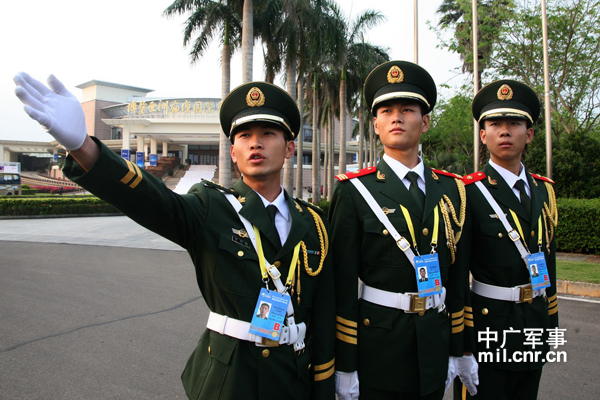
<point x="497" y="384"/>
<point x="375" y="394"/>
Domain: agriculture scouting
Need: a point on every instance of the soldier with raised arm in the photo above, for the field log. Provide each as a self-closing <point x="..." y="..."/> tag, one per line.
<point x="250" y="244"/>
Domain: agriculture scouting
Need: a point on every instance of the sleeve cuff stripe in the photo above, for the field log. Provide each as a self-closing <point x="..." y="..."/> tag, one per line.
<point x="469" y="324"/>
<point x="459" y="328"/>
<point x="553" y="311"/>
<point x="346" y="322"/>
<point x="130" y="174"/>
<point x="458" y="321"/>
<point x="349" y="331"/>
<point x="138" y="179"/>
<point x="468" y="309"/>
<point x="346" y="338"/>
<point x="324" y="375"/>
<point x="458" y="314"/>
<point x="322" y="367"/>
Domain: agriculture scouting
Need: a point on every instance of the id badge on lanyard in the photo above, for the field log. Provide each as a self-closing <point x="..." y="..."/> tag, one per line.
<point x="269" y="314"/>
<point x="538" y="271"/>
<point x="429" y="280"/>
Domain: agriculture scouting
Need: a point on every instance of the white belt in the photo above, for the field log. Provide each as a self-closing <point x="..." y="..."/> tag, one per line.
<point x="518" y="294"/>
<point x="409" y="302"/>
<point x="291" y="335"/>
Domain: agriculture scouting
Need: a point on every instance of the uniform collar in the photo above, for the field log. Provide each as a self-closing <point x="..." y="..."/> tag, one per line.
<point x="280" y="203"/>
<point x="511" y="178"/>
<point x="401" y="170"/>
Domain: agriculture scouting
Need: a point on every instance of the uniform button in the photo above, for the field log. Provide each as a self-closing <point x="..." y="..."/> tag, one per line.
<point x="309" y="365"/>
<point x="485" y="311"/>
<point x="277" y="264"/>
<point x="385" y="232"/>
<point x="266" y="353"/>
<point x="366" y="322"/>
<point x="500" y="235"/>
<point x="208" y="349"/>
<point x="532" y="233"/>
<point x="425" y="232"/>
<point x="240" y="253"/>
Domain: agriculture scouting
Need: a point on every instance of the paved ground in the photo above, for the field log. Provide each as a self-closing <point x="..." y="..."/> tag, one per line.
<point x="100" y="308"/>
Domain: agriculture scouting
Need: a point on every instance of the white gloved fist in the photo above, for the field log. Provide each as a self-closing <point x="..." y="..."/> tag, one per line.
<point x="56" y="109"/>
<point x="452" y="371"/>
<point x="467" y="371"/>
<point x="346" y="385"/>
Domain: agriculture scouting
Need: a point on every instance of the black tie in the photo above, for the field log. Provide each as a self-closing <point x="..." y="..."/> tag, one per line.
<point x="525" y="200"/>
<point x="414" y="189"/>
<point x="272" y="210"/>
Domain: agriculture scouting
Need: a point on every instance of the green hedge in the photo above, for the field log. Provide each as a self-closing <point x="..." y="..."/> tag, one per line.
<point x="22" y="206"/>
<point x="578" y="228"/>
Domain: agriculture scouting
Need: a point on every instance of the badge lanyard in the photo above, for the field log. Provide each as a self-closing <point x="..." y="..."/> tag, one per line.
<point x="263" y="261"/>
<point x="516" y="219"/>
<point x="411" y="229"/>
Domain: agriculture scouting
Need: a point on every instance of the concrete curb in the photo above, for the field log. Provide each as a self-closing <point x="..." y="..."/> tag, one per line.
<point x="578" y="288"/>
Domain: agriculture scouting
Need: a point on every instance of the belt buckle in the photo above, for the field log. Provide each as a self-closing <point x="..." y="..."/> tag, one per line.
<point x="526" y="294"/>
<point x="269" y="342"/>
<point x="417" y="304"/>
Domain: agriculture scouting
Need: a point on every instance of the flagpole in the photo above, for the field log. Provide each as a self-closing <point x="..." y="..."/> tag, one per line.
<point x="475" y="87"/>
<point x="547" y="110"/>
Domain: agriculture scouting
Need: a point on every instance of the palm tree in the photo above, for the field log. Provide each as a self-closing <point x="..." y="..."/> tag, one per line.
<point x="354" y="36"/>
<point x="206" y="20"/>
<point x="362" y="57"/>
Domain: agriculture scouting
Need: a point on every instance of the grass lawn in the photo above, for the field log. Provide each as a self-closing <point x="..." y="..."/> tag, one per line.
<point x="578" y="271"/>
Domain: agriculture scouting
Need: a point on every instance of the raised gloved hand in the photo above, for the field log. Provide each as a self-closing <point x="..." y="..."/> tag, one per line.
<point x="346" y="385"/>
<point x="467" y="372"/>
<point x="56" y="109"/>
<point x="452" y="371"/>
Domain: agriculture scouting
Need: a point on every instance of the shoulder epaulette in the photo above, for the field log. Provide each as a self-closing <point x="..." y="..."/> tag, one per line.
<point x="356" y="174"/>
<point x="217" y="186"/>
<point x="542" y="178"/>
<point x="310" y="205"/>
<point x="474" y="177"/>
<point x="444" y="172"/>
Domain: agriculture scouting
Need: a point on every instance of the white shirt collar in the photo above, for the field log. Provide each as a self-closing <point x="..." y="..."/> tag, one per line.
<point x="510" y="178"/>
<point x="279" y="202"/>
<point x="401" y="170"/>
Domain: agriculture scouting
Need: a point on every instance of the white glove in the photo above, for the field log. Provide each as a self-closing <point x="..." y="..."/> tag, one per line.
<point x="452" y="371"/>
<point x="467" y="371"/>
<point x="346" y="385"/>
<point x="57" y="110"/>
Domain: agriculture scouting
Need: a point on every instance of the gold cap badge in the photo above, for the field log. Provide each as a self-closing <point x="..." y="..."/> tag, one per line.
<point x="505" y="92"/>
<point x="255" y="97"/>
<point x="395" y="75"/>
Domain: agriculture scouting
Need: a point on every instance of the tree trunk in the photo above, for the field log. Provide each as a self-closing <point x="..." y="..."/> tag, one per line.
<point x="288" y="166"/>
<point x="300" y="142"/>
<point x="316" y="148"/>
<point x="361" y="132"/>
<point x="247" y="41"/>
<point x="342" y="169"/>
<point x="225" y="164"/>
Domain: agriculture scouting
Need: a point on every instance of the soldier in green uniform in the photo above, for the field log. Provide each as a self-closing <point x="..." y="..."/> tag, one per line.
<point x="514" y="216"/>
<point x="241" y="255"/>
<point x="393" y="343"/>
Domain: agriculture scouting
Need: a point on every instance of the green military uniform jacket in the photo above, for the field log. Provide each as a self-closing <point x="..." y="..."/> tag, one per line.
<point x="393" y="350"/>
<point x="205" y="224"/>
<point x="496" y="261"/>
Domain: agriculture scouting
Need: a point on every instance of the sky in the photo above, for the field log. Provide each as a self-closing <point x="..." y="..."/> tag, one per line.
<point x="129" y="42"/>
